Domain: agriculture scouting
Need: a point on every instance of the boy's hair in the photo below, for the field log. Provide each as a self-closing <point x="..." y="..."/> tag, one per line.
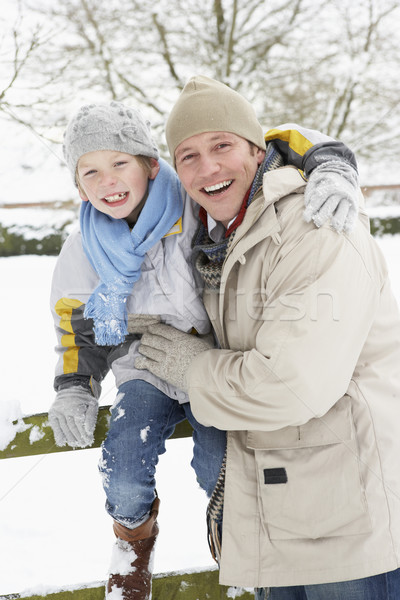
<point x="144" y="162"/>
<point x="107" y="127"/>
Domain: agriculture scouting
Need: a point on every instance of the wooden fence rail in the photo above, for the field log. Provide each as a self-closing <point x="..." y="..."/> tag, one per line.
<point x="37" y="438"/>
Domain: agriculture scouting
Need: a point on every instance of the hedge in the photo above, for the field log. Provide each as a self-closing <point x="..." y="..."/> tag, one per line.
<point x="15" y="241"/>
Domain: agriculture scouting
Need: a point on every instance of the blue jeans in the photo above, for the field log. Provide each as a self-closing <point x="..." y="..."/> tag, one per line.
<point x="379" y="587"/>
<point x="142" y="419"/>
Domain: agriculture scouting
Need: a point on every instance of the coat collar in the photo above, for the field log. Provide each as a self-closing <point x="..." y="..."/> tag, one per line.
<point x="280" y="183"/>
<point x="276" y="185"/>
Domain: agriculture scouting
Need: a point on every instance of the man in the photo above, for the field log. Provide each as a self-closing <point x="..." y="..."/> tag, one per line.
<point x="306" y="378"/>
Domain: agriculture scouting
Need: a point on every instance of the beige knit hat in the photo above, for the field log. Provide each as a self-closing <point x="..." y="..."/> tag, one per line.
<point x="208" y="105"/>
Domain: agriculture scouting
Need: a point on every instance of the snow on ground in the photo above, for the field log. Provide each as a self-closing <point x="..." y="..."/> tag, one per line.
<point x="53" y="528"/>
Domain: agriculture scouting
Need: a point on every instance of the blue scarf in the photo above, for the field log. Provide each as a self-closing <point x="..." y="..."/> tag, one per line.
<point x="116" y="253"/>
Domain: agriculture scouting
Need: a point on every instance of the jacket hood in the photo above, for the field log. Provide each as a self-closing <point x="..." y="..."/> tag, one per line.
<point x="277" y="185"/>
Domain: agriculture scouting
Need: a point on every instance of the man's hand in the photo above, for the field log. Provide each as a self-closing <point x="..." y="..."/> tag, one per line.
<point x="138" y="323"/>
<point x="73" y="417"/>
<point x="332" y="193"/>
<point x="168" y="352"/>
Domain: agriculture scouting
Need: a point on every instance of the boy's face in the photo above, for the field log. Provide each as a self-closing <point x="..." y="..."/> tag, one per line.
<point x="216" y="169"/>
<point x="114" y="182"/>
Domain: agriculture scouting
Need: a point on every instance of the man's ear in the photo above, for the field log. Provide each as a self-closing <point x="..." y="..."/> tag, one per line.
<point x="154" y="168"/>
<point x="260" y="155"/>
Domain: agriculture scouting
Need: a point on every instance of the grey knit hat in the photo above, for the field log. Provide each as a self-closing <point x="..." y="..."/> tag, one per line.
<point x="208" y="105"/>
<point x="111" y="126"/>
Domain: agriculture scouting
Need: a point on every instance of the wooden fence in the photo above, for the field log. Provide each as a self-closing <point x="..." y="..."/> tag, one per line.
<point x="201" y="585"/>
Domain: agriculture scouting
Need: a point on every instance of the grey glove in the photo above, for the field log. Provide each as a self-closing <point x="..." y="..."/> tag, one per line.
<point x="168" y="352"/>
<point x="140" y="323"/>
<point x="73" y="417"/>
<point x="332" y="193"/>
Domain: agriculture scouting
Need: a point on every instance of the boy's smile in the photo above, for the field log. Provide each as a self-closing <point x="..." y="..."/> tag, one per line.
<point x="116" y="198"/>
<point x="114" y="182"/>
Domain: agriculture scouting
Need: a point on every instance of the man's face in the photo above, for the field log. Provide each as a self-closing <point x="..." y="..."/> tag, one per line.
<point x="216" y="169"/>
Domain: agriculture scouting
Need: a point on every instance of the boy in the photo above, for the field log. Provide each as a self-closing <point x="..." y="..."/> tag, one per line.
<point x="134" y="232"/>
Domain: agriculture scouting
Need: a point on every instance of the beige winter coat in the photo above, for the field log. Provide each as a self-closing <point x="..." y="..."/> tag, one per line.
<point x="308" y="385"/>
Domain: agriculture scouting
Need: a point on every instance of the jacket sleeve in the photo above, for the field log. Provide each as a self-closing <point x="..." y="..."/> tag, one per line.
<point x="306" y="349"/>
<point x="80" y="359"/>
<point x="307" y="148"/>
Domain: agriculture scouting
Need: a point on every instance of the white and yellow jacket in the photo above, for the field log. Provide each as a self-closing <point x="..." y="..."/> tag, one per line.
<point x="166" y="287"/>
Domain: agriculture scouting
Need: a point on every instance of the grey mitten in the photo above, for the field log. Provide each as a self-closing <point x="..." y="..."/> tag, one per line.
<point x="73" y="417"/>
<point x="168" y="352"/>
<point x="332" y="193"/>
<point x="138" y="323"/>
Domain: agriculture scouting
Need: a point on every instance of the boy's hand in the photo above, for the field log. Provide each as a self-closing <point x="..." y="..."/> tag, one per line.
<point x="140" y="323"/>
<point x="168" y="352"/>
<point x="332" y="193"/>
<point x="73" y="417"/>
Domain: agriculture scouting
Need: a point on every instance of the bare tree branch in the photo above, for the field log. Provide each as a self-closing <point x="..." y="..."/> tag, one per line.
<point x="293" y="61"/>
<point x="166" y="52"/>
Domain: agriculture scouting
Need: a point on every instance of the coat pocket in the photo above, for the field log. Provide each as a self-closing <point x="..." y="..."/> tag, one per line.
<point x="309" y="479"/>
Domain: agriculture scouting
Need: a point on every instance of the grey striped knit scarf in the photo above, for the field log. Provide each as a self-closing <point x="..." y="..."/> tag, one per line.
<point x="208" y="256"/>
<point x="214" y="515"/>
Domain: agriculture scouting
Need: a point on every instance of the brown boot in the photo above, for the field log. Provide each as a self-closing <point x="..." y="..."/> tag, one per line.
<point x="132" y="567"/>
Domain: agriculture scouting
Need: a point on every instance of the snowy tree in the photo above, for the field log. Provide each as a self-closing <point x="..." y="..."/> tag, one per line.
<point x="329" y="65"/>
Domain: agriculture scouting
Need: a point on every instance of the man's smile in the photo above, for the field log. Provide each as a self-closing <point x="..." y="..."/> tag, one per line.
<point x="212" y="190"/>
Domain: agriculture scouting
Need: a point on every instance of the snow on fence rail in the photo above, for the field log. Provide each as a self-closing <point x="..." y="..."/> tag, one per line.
<point x="34" y="436"/>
